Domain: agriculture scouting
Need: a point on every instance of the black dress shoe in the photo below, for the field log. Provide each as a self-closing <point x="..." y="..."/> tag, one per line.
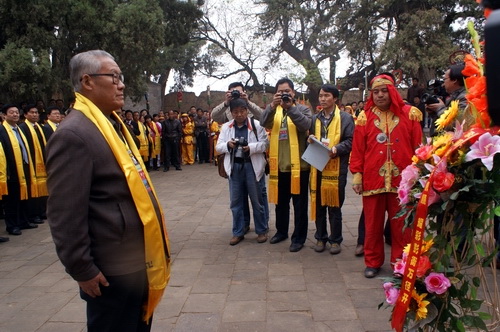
<point x="165" y="169"/>
<point x="277" y="238"/>
<point x="29" y="225"/>
<point x="178" y="169"/>
<point x="294" y="247"/>
<point x="15" y="231"/>
<point x="4" y="239"/>
<point x="38" y="220"/>
<point x="371" y="272"/>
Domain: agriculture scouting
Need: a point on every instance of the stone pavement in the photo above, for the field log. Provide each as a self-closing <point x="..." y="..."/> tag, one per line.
<point x="214" y="286"/>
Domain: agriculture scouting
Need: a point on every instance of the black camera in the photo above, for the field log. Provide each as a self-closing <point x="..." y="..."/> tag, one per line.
<point x="286" y="97"/>
<point x="235" y="94"/>
<point x="428" y="99"/>
<point x="240" y="143"/>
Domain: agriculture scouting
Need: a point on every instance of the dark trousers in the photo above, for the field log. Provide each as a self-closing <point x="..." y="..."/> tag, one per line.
<point x="202" y="145"/>
<point x="16" y="210"/>
<point x="171" y="152"/>
<point x="299" y="207"/>
<point x="334" y="214"/>
<point x="119" y="308"/>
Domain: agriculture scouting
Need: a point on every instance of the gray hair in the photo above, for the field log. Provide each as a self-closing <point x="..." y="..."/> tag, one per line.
<point x="85" y="63"/>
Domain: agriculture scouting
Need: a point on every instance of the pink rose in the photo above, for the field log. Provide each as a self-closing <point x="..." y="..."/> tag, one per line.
<point x="443" y="181"/>
<point x="424" y="264"/>
<point x="437" y="283"/>
<point x="424" y="152"/>
<point x="403" y="195"/>
<point x="391" y="293"/>
<point x="399" y="266"/>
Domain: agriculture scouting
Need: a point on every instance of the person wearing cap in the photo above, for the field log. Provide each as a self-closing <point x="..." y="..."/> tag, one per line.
<point x="334" y="129"/>
<point x="244" y="142"/>
<point x="385" y="137"/>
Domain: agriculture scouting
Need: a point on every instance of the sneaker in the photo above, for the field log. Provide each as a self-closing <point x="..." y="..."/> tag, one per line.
<point x="261" y="238"/>
<point x="320" y="246"/>
<point x="335" y="249"/>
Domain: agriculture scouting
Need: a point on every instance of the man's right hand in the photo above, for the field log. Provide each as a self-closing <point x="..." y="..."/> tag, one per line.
<point x="91" y="287"/>
<point x="358" y="188"/>
<point x="276" y="101"/>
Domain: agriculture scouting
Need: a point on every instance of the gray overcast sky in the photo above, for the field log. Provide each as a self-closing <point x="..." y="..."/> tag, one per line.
<point x="231" y="14"/>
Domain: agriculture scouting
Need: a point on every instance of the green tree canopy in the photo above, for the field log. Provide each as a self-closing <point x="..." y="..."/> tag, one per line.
<point x="43" y="36"/>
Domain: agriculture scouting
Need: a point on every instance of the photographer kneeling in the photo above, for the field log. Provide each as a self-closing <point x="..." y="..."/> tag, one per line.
<point x="244" y="141"/>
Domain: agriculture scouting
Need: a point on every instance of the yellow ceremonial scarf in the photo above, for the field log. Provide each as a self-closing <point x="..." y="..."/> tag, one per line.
<point x="156" y="140"/>
<point x="273" y="156"/>
<point x="40" y="172"/>
<point x="157" y="247"/>
<point x="143" y="138"/>
<point x="52" y="125"/>
<point x="330" y="175"/>
<point x="18" y="156"/>
<point x="3" y="173"/>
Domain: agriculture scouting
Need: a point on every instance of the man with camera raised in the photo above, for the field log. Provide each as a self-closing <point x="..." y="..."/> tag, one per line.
<point x="221" y="113"/>
<point x="289" y="174"/>
<point x="454" y="85"/>
<point x="244" y="142"/>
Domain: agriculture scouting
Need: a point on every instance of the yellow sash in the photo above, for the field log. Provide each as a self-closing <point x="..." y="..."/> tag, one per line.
<point x="156" y="242"/>
<point x="330" y="175"/>
<point x="3" y="173"/>
<point x="273" y="156"/>
<point x="143" y="138"/>
<point x="40" y="172"/>
<point x="157" y="139"/>
<point x="18" y="156"/>
<point x="52" y="125"/>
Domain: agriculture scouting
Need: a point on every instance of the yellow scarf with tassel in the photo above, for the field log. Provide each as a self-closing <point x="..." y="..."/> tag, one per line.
<point x="3" y="173"/>
<point x="156" y="242"/>
<point x="273" y="156"/>
<point x="330" y="175"/>
<point x="18" y="156"/>
<point x="52" y="125"/>
<point x="40" y="172"/>
<point x="143" y="138"/>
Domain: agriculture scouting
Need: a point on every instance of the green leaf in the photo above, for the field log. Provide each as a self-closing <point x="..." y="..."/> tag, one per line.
<point x="480" y="249"/>
<point x="476" y="281"/>
<point x="484" y="315"/>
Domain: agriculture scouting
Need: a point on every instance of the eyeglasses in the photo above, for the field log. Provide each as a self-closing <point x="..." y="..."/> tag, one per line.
<point x="116" y="77"/>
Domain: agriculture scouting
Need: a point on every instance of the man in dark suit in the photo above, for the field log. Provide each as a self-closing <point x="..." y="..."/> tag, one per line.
<point x="103" y="212"/>
<point x="36" y="142"/>
<point x="53" y="120"/>
<point x="19" y="179"/>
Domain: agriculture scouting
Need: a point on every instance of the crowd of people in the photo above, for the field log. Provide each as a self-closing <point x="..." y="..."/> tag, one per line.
<point x="107" y="223"/>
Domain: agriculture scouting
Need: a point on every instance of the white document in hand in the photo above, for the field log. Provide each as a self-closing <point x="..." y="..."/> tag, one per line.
<point x="317" y="154"/>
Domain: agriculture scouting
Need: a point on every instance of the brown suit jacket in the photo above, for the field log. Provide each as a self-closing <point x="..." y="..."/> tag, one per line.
<point x="93" y="219"/>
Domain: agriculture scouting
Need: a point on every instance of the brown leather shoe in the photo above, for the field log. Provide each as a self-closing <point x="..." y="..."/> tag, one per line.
<point x="261" y="238"/>
<point x="235" y="240"/>
<point x="360" y="250"/>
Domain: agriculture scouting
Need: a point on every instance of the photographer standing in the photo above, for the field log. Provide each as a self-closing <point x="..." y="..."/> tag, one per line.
<point x="235" y="90"/>
<point x="454" y="85"/>
<point x="289" y="175"/>
<point x="244" y="142"/>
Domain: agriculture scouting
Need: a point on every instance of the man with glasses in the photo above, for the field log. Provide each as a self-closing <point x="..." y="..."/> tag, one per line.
<point x="104" y="214"/>
<point x="53" y="120"/>
<point x="455" y="86"/>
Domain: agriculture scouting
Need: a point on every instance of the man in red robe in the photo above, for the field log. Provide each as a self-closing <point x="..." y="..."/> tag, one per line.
<point x="385" y="138"/>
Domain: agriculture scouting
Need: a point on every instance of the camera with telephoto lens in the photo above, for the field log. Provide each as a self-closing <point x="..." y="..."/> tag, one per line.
<point x="286" y="97"/>
<point x="428" y="99"/>
<point x="239" y="144"/>
<point x="235" y="94"/>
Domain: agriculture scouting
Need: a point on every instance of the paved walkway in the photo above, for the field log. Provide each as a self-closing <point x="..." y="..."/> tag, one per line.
<point x="214" y="286"/>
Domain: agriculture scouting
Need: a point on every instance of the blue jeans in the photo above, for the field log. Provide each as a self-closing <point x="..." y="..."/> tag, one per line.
<point x="265" y="203"/>
<point x="244" y="185"/>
